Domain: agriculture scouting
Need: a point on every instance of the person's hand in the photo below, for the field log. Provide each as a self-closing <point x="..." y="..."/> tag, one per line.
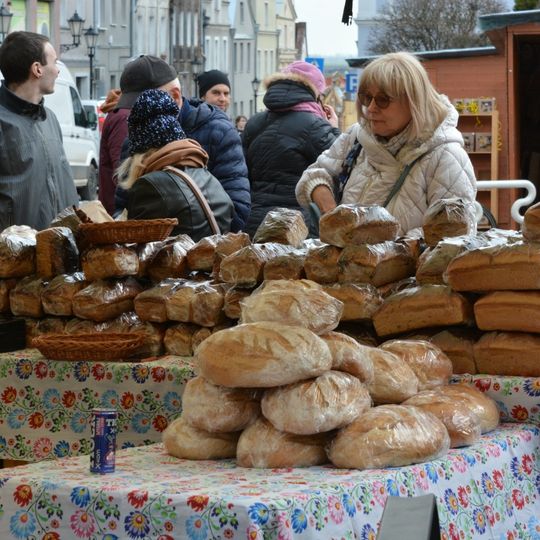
<point x="323" y="198"/>
<point x="331" y="115"/>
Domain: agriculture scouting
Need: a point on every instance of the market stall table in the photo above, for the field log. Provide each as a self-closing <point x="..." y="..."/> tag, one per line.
<point x="488" y="490"/>
<point x="45" y="405"/>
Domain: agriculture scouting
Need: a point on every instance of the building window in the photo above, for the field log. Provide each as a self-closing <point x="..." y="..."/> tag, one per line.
<point x="235" y="57"/>
<point x="225" y="55"/>
<point x="266" y="18"/>
<point x="241" y="57"/>
<point x="242" y="12"/>
<point x="248" y="67"/>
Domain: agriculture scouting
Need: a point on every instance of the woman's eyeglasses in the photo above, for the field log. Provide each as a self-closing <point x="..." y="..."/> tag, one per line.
<point x="381" y="100"/>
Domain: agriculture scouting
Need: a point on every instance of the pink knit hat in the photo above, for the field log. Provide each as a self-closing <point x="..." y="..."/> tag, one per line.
<point x="309" y="71"/>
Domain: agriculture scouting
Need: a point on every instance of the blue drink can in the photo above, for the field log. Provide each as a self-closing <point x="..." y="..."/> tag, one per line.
<point x="102" y="458"/>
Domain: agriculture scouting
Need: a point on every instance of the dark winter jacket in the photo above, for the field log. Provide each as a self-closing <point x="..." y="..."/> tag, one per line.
<point x="279" y="146"/>
<point x="215" y="132"/>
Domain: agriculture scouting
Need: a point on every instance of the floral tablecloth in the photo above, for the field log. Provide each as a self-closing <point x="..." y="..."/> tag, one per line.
<point x="45" y="405"/>
<point x="518" y="398"/>
<point x="490" y="490"/>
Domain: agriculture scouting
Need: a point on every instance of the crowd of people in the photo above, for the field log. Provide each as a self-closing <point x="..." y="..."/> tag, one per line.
<point x="404" y="152"/>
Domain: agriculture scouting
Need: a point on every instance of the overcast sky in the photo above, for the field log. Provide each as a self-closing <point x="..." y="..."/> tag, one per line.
<point x="327" y="35"/>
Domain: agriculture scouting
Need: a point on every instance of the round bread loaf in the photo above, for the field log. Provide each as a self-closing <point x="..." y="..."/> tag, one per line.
<point x="294" y="302"/>
<point x="219" y="409"/>
<point x="184" y="441"/>
<point x="261" y="445"/>
<point x="390" y="436"/>
<point x="394" y="381"/>
<point x="332" y="400"/>
<point x="431" y="366"/>
<point x="262" y="355"/>
<point x="350" y="356"/>
<point x="462" y="423"/>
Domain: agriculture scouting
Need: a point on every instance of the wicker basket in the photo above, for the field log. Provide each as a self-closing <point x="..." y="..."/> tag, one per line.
<point x="127" y="232"/>
<point x="102" y="346"/>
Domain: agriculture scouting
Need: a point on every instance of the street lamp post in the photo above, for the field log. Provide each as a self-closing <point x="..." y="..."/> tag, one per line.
<point x="255" y="83"/>
<point x="91" y="35"/>
<point x="5" y="22"/>
<point x="75" y="23"/>
<point x="196" y="70"/>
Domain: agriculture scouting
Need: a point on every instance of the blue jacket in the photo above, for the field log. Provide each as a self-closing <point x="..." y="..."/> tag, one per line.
<point x="215" y="132"/>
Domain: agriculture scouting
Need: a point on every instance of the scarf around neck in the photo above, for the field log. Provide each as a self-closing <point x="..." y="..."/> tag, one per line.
<point x="183" y="153"/>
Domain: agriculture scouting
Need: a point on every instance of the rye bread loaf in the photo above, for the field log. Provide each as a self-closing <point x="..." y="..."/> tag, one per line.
<point x="56" y="252"/>
<point x="321" y="264"/>
<point x="109" y="261"/>
<point x="282" y="225"/>
<point x="57" y="295"/>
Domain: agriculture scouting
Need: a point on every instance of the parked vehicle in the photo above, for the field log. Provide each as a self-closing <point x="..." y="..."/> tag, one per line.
<point x="96" y="117"/>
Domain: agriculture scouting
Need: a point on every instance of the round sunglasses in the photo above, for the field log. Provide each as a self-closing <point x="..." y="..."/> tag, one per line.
<point x="381" y="100"/>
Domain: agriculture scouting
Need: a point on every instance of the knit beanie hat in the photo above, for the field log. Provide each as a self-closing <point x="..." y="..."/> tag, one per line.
<point x="153" y="122"/>
<point x="210" y="78"/>
<point x="309" y="71"/>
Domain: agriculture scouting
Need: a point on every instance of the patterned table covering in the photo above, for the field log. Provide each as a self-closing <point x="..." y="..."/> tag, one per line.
<point x="45" y="405"/>
<point x="518" y="398"/>
<point x="490" y="490"/>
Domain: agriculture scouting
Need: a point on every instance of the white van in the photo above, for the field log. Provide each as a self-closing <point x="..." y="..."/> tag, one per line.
<point x="80" y="142"/>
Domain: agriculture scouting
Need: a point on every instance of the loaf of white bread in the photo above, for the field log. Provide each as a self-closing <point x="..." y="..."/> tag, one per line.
<point x="360" y="300"/>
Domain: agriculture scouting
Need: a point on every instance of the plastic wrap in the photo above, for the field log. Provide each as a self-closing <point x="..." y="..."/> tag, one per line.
<point x="422" y="307"/>
<point x="448" y="217"/>
<point x="394" y="380"/>
<point x="263" y="446"/>
<point x="232" y="300"/>
<point x="245" y="267"/>
<point x="354" y="224"/>
<point x="431" y="366"/>
<point x="178" y="339"/>
<point x="201" y="255"/>
<point x="282" y="225"/>
<point x="390" y="436"/>
<point x="350" y="356"/>
<point x="462" y="423"/>
<point x="57" y="295"/>
<point x="171" y="259"/>
<point x="82" y="326"/>
<point x="531" y="223"/>
<point x="263" y="354"/>
<point x="377" y="264"/>
<point x="219" y="409"/>
<point x="186" y="442"/>
<point x="109" y="261"/>
<point x="299" y="303"/>
<point x="50" y="325"/>
<point x="391" y="288"/>
<point x="150" y="305"/>
<point x="17" y="251"/>
<point x="288" y="266"/>
<point x="360" y="300"/>
<point x="25" y="297"/>
<point x="321" y="265"/>
<point x="146" y="253"/>
<point x="56" y="252"/>
<point x="5" y="287"/>
<point x="105" y="299"/>
<point x="330" y="401"/>
<point x="227" y="245"/>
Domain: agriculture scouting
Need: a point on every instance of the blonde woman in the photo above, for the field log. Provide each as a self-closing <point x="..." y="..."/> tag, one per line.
<point x="405" y="129"/>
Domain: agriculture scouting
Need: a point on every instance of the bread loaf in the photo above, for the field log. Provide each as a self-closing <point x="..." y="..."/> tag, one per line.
<point x="178" y="339"/>
<point x="355" y="224"/>
<point x="321" y="264"/>
<point x="461" y="422"/>
<point x="509" y="310"/>
<point x="219" y="409"/>
<point x="531" y="223"/>
<point x="377" y="264"/>
<point x="146" y="253"/>
<point x="263" y="354"/>
<point x="508" y="353"/>
<point x="109" y="261"/>
<point x="50" y="325"/>
<point x="57" y="294"/>
<point x="292" y="302"/>
<point x="17" y="251"/>
<point x="186" y="442"/>
<point x="171" y="259"/>
<point x="82" y="326"/>
<point x="390" y="436"/>
<point x="350" y="356"/>
<point x="232" y="299"/>
<point x="288" y="266"/>
<point x="5" y="286"/>
<point x="25" y="297"/>
<point x="330" y="401"/>
<point x="422" y="307"/>
<point x="261" y="445"/>
<point x="227" y="245"/>
<point x="201" y="255"/>
<point x="282" y="225"/>
<point x="150" y="305"/>
<point x="394" y="380"/>
<point x="360" y="300"/>
<point x="429" y="363"/>
<point x="56" y="252"/>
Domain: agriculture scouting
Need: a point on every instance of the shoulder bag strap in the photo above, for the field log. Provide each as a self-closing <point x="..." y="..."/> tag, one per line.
<point x="198" y="195"/>
<point x="400" y="181"/>
<point x="346" y="169"/>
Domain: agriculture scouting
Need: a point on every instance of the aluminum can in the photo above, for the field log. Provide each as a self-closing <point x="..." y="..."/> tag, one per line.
<point x="102" y="458"/>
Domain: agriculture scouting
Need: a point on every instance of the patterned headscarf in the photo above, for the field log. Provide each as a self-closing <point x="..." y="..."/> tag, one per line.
<point x="153" y="122"/>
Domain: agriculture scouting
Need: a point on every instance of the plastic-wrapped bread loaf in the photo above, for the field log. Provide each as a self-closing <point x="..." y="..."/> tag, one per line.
<point x="57" y="295"/>
<point x="350" y="356"/>
<point x="109" y="261"/>
<point x="171" y="259"/>
<point x="431" y="366"/>
<point x="355" y="224"/>
<point x="201" y="255"/>
<point x="217" y="408"/>
<point x="294" y="302"/>
<point x="261" y="445"/>
<point x="178" y="339"/>
<point x="17" y="251"/>
<point x="56" y="252"/>
<point x="422" y="307"/>
<point x="282" y="225"/>
<point x="187" y="442"/>
<point x="25" y="297"/>
<point x="263" y="354"/>
<point x="321" y="264"/>
<point x="233" y="298"/>
<point x="150" y="305"/>
<point x="330" y="401"/>
<point x="288" y="266"/>
<point x="360" y="300"/>
<point x="5" y="286"/>
<point x="227" y="245"/>
<point x="531" y="223"/>
<point x="50" y="325"/>
<point x="390" y="436"/>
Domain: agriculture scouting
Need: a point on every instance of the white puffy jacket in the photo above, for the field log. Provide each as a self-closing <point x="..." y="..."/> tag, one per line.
<point x="445" y="171"/>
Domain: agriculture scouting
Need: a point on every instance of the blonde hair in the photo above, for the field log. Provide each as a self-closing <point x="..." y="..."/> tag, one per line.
<point x="132" y="168"/>
<point x="400" y="75"/>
